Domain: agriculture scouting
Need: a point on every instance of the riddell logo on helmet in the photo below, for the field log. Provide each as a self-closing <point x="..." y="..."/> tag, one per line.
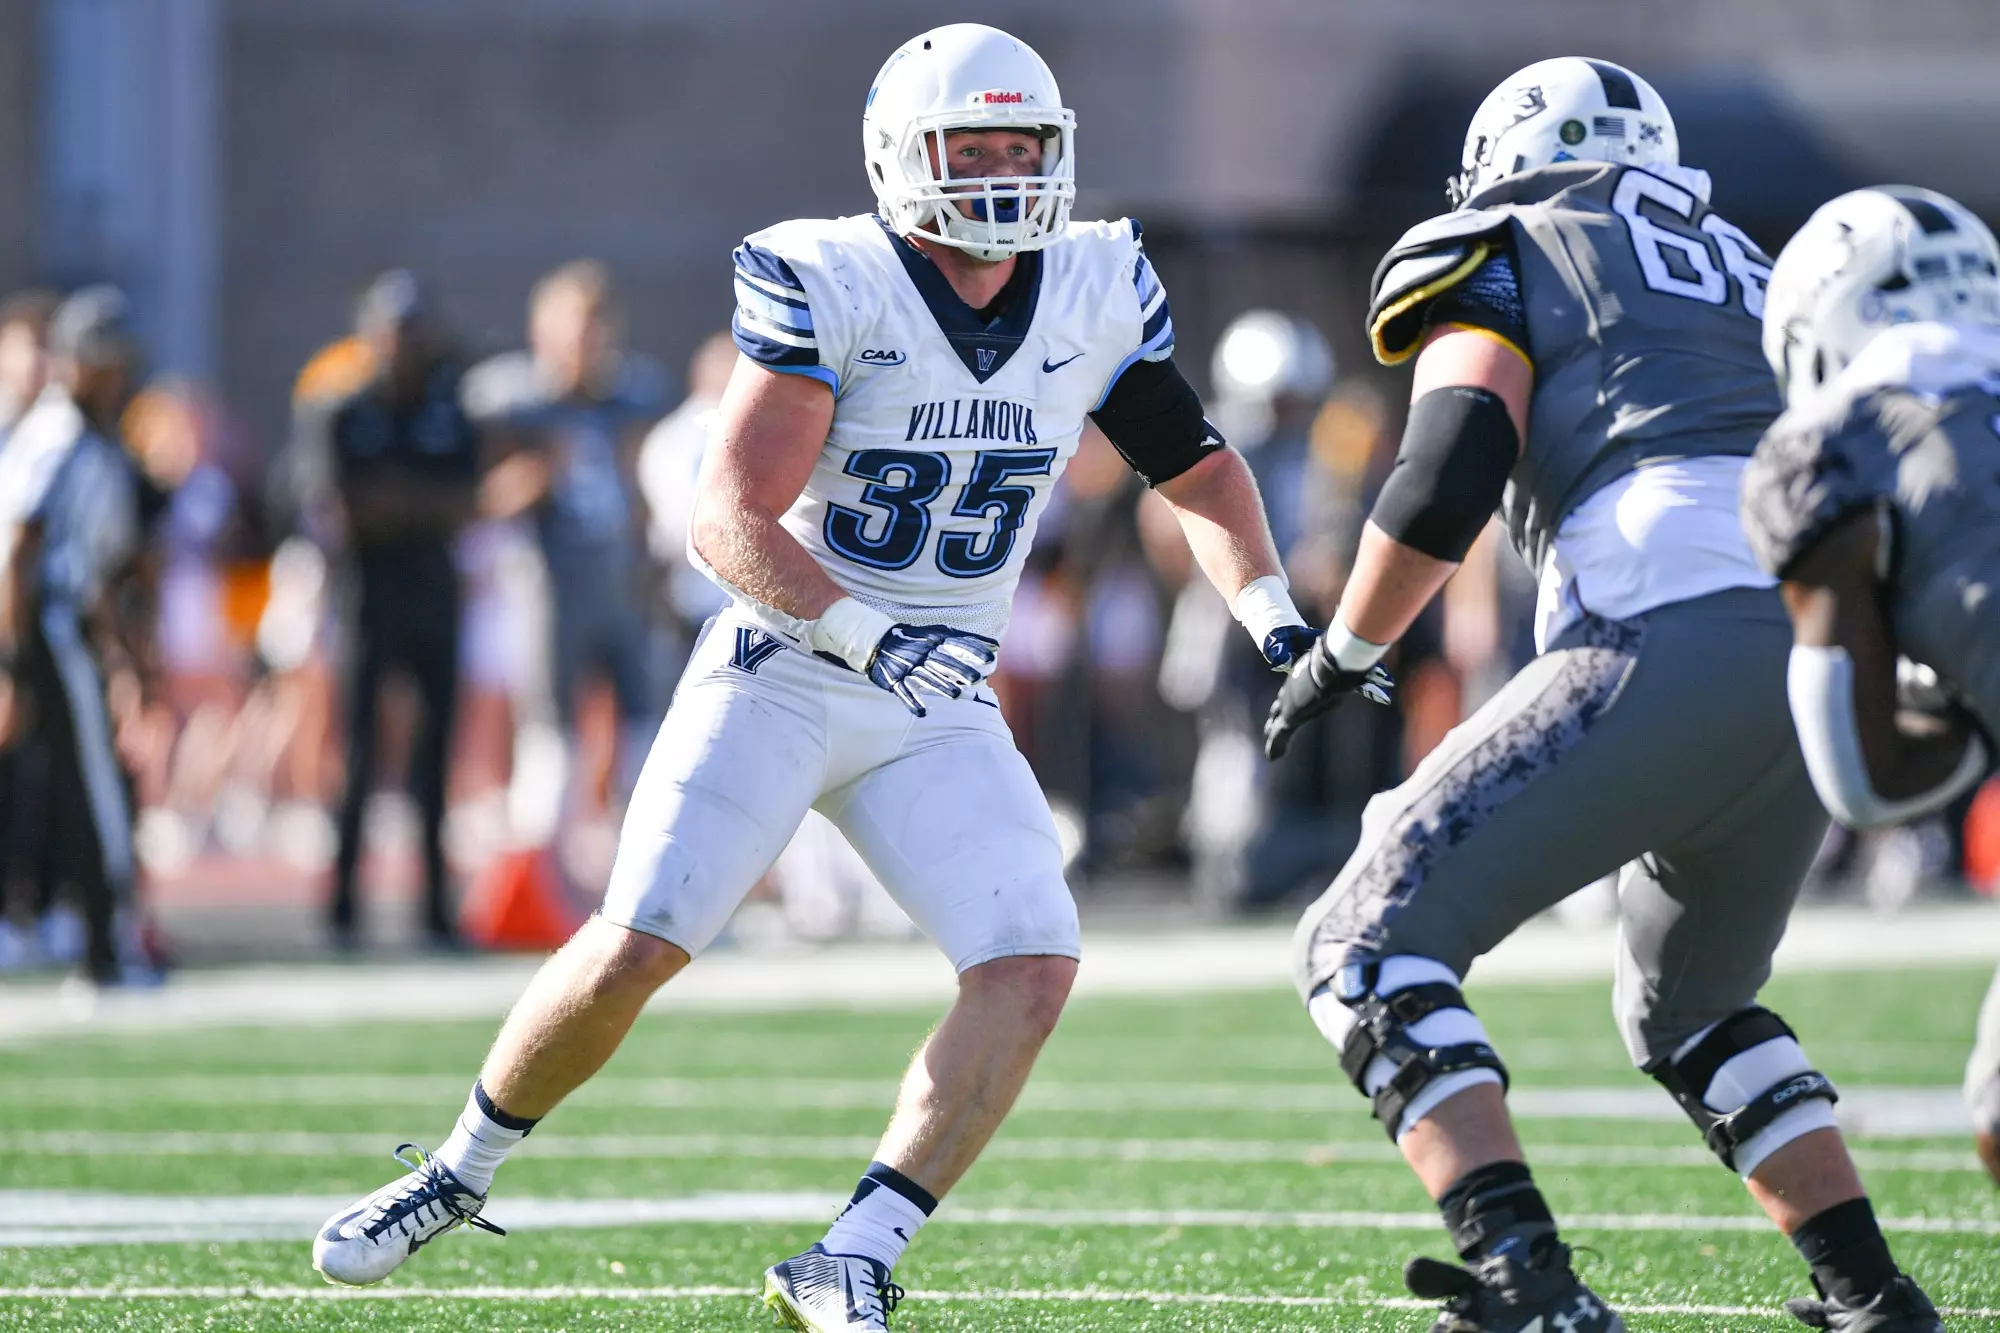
<point x="1004" y="99"/>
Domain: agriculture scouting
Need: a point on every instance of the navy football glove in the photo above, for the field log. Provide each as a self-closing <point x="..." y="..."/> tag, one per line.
<point x="1287" y="644"/>
<point x="938" y="658"/>
<point x="1317" y="686"/>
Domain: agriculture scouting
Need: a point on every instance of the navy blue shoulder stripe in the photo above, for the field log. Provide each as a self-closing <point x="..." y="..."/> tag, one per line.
<point x="754" y="261"/>
<point x="1156" y="319"/>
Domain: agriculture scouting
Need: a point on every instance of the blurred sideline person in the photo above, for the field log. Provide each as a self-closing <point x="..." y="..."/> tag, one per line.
<point x="1605" y="398"/>
<point x="910" y="387"/>
<point x="24" y="358"/>
<point x="1876" y="498"/>
<point x="1260" y="834"/>
<point x="563" y="421"/>
<point x="1089" y="711"/>
<point x="668" y="468"/>
<point x="403" y="459"/>
<point x="70" y="505"/>
<point x="213" y="564"/>
<point x="24" y="844"/>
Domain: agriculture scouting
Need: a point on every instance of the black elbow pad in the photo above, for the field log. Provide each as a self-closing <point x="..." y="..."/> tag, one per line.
<point x="1458" y="449"/>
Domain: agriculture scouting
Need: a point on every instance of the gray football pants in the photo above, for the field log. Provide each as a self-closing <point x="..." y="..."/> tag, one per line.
<point x="1660" y="744"/>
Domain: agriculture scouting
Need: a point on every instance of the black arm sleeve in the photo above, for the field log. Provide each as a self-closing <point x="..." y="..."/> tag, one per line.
<point x="1153" y="416"/>
<point x="1458" y="448"/>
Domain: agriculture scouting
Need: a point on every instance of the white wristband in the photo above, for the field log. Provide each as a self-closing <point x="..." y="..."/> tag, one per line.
<point x="850" y="631"/>
<point x="1265" y="605"/>
<point x="1349" y="651"/>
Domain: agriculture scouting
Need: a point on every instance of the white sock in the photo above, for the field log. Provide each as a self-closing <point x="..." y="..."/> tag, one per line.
<point x="481" y="1140"/>
<point x="886" y="1213"/>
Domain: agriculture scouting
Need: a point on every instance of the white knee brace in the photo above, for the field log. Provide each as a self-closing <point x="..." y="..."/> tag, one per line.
<point x="1746" y="1084"/>
<point x="1405" y="1036"/>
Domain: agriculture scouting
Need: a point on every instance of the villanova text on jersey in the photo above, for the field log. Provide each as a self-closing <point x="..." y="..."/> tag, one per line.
<point x="972" y="419"/>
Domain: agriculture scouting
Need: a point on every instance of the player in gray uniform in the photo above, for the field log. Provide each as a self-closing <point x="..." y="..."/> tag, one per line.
<point x="1876" y="497"/>
<point x="1587" y="362"/>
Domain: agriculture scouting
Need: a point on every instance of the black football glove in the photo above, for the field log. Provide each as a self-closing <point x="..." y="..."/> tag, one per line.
<point x="1316" y="686"/>
<point x="1285" y="645"/>
<point x="938" y="658"/>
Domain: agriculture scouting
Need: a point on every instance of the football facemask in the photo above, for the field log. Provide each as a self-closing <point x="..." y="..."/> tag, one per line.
<point x="968" y="77"/>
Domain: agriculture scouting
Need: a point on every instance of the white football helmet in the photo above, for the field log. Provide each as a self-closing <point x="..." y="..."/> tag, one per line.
<point x="1264" y="353"/>
<point x="966" y="76"/>
<point x="1570" y="109"/>
<point x="1892" y="254"/>
<point x="1263" y="356"/>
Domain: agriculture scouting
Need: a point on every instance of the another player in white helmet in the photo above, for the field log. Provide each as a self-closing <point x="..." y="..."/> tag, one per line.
<point x="1264" y="360"/>
<point x="1876" y="498"/>
<point x="1585" y="334"/>
<point x="1569" y="109"/>
<point x="910" y="386"/>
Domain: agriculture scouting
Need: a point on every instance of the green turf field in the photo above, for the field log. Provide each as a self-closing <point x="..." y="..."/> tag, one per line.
<point x="1184" y="1164"/>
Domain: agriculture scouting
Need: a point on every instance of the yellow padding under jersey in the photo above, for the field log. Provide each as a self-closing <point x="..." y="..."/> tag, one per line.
<point x="1415" y="297"/>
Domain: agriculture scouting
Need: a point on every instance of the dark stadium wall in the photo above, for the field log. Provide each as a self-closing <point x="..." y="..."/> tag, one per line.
<point x="484" y="140"/>
<point x="19" y="162"/>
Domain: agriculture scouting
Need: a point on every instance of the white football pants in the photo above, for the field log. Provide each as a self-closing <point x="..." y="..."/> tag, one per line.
<point x="943" y="808"/>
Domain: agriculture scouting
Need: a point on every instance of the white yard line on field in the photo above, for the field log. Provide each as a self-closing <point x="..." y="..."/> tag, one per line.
<point x="879" y="976"/>
<point x="1866" y="1111"/>
<point x="1054" y="1296"/>
<point x="63" y="1217"/>
<point x="837" y="1147"/>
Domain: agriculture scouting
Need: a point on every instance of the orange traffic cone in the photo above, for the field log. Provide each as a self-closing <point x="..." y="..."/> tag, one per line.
<point x="1982" y="839"/>
<point x="518" y="902"/>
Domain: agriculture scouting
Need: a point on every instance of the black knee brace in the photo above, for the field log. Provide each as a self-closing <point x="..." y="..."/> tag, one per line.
<point x="1382" y="1028"/>
<point x="1688" y="1079"/>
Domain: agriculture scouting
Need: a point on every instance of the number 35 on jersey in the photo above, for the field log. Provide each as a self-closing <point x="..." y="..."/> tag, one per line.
<point x="893" y="526"/>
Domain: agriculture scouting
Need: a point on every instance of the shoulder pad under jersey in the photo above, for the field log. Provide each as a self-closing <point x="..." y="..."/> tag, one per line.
<point x="1814" y="467"/>
<point x="1431" y="258"/>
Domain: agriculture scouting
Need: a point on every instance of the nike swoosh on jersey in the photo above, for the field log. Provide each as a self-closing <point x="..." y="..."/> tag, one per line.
<point x="1048" y="367"/>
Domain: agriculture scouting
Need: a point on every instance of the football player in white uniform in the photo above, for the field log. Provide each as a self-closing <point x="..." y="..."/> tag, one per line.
<point x="911" y="386"/>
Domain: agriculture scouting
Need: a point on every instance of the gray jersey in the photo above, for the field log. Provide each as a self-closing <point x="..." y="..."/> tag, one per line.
<point x="1641" y="310"/>
<point x="1914" y="424"/>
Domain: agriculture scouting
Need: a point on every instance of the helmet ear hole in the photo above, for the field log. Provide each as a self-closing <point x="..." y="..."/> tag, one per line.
<point x="1896" y="283"/>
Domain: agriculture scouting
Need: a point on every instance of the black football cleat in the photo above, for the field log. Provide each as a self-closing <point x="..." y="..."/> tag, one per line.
<point x="1901" y="1307"/>
<point x="1520" y="1290"/>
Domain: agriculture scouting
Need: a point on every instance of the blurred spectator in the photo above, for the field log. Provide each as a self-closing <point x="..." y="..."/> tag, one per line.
<point x="1077" y="683"/>
<point x="669" y="464"/>
<point x="24" y="845"/>
<point x="24" y="360"/>
<point x="404" y="459"/>
<point x="1259" y="832"/>
<point x="563" y="421"/>
<point x="80" y="667"/>
<point x="214" y="585"/>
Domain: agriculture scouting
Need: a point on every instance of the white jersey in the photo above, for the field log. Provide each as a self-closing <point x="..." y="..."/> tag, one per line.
<point x="949" y="431"/>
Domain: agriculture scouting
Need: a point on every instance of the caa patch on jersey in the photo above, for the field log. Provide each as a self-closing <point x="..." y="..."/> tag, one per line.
<point x="949" y="431"/>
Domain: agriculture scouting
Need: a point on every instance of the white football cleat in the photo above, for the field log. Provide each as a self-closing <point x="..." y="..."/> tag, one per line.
<point x="369" y="1241"/>
<point x="817" y="1292"/>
